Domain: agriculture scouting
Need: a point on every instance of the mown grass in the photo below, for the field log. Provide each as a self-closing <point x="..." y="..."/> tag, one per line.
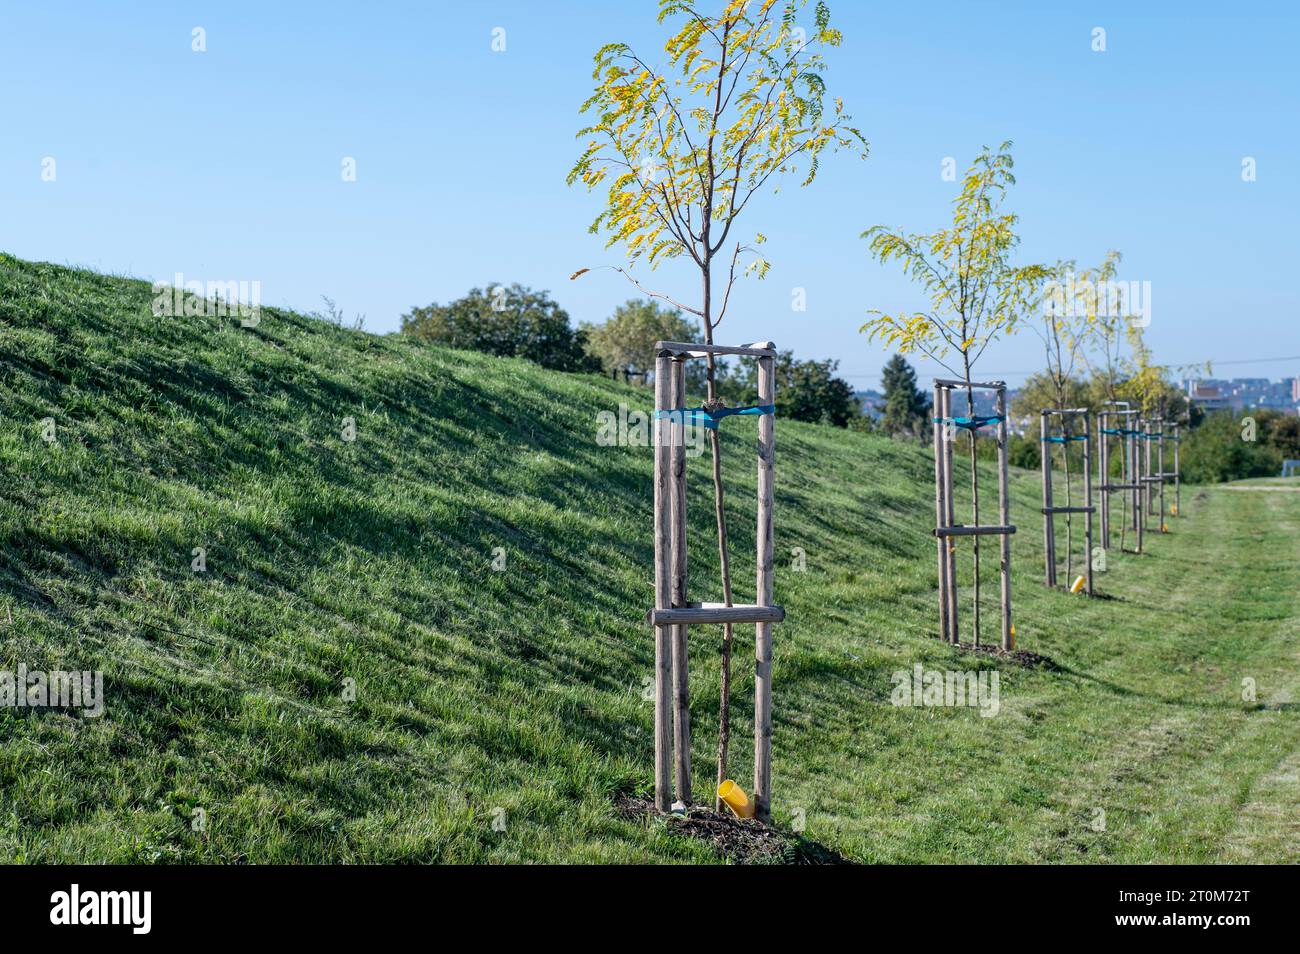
<point x="518" y="695"/>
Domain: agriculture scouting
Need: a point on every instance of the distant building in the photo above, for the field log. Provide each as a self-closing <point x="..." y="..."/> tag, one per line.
<point x="1208" y="397"/>
<point x="1239" y="394"/>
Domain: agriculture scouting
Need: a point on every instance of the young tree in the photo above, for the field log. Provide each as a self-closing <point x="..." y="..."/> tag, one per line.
<point x="1105" y="328"/>
<point x="907" y="409"/>
<point x="976" y="294"/>
<point x="1065" y="316"/>
<point x="1106" y="331"/>
<point x="683" y="147"/>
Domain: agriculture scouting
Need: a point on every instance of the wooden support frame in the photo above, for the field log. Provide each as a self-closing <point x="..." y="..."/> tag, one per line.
<point x="1139" y="477"/>
<point x="1046" y="438"/>
<point x="1160" y="471"/>
<point x="672" y="614"/>
<point x="1119" y="416"/>
<point x="1178" y="472"/>
<point x="947" y="528"/>
<point x="1154" y="479"/>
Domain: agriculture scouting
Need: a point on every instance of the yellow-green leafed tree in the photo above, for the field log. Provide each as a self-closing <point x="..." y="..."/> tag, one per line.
<point x="1106" y="326"/>
<point x="681" y="140"/>
<point x="976" y="294"/>
<point x="1066" y="312"/>
<point x="1105" y="330"/>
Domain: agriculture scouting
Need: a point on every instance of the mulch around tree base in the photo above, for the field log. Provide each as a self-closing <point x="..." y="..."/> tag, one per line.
<point x="1020" y="657"/>
<point x="740" y="841"/>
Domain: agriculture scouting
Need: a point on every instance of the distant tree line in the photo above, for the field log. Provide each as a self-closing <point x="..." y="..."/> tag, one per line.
<point x="509" y="321"/>
<point x="515" y="321"/>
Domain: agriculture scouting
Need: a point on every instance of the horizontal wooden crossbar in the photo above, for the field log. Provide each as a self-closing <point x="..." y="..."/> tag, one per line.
<point x="1069" y="510"/>
<point x="960" y="531"/>
<point x="1121" y="486"/>
<point x="761" y="349"/>
<point x="1065" y="410"/>
<point x="694" y="613"/>
<point x="1152" y="480"/>
<point x="951" y="383"/>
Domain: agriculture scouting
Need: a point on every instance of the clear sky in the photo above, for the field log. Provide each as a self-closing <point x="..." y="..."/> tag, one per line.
<point x="226" y="164"/>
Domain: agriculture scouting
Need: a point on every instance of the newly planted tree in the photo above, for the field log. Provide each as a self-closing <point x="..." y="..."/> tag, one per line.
<point x="976" y="294"/>
<point x="682" y="142"/>
<point x="1065" y="315"/>
<point x="1106" y="327"/>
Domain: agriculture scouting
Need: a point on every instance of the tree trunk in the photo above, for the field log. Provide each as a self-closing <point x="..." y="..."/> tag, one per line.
<point x="724" y="558"/>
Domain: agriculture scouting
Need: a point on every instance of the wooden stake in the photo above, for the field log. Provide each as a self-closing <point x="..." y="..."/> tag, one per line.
<point x="1004" y="510"/>
<point x="763" y="597"/>
<point x="1178" y="472"/>
<point x="1103" y="476"/>
<point x="1160" y="462"/>
<point x="1147" y="487"/>
<point x="940" y="516"/>
<point x="681" y="659"/>
<point x="1087" y="497"/>
<point x="949" y="506"/>
<point x="1135" y="460"/>
<point x="1049" y="521"/>
<point x="663" y="581"/>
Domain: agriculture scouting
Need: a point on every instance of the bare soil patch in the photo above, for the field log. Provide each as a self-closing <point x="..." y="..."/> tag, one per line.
<point x="740" y="841"/>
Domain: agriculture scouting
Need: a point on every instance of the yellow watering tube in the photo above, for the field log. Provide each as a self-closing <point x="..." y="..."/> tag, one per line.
<point x="736" y="799"/>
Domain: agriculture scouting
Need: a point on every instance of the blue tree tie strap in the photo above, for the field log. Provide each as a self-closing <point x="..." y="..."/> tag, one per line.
<point x="969" y="423"/>
<point x="1063" y="440"/>
<point x="1112" y="430"/>
<point x="710" y="419"/>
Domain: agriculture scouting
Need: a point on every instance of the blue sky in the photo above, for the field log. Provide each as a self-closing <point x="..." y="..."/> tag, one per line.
<point x="226" y="164"/>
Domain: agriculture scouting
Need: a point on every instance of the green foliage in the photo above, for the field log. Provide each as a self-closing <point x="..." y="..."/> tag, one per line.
<point x="863" y="424"/>
<point x="805" y="390"/>
<point x="684" y="146"/>
<point x="976" y="293"/>
<point x="627" y="338"/>
<point x="506" y="321"/>
<point x="907" y="408"/>
<point x="1104" y="333"/>
<point x="1066" y="313"/>
<point x="1024" y="452"/>
<point x="1218" y="449"/>
<point x="1041" y="391"/>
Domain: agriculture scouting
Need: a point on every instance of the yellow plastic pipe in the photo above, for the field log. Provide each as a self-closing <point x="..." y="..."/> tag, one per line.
<point x="1077" y="585"/>
<point x="736" y="799"/>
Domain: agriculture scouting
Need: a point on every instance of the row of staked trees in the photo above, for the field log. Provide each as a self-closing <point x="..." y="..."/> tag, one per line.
<point x="679" y="140"/>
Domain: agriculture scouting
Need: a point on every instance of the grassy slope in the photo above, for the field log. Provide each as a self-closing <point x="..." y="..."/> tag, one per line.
<point x="522" y="689"/>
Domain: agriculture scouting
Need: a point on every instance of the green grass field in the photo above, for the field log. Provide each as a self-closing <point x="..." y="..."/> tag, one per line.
<point x="522" y="690"/>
